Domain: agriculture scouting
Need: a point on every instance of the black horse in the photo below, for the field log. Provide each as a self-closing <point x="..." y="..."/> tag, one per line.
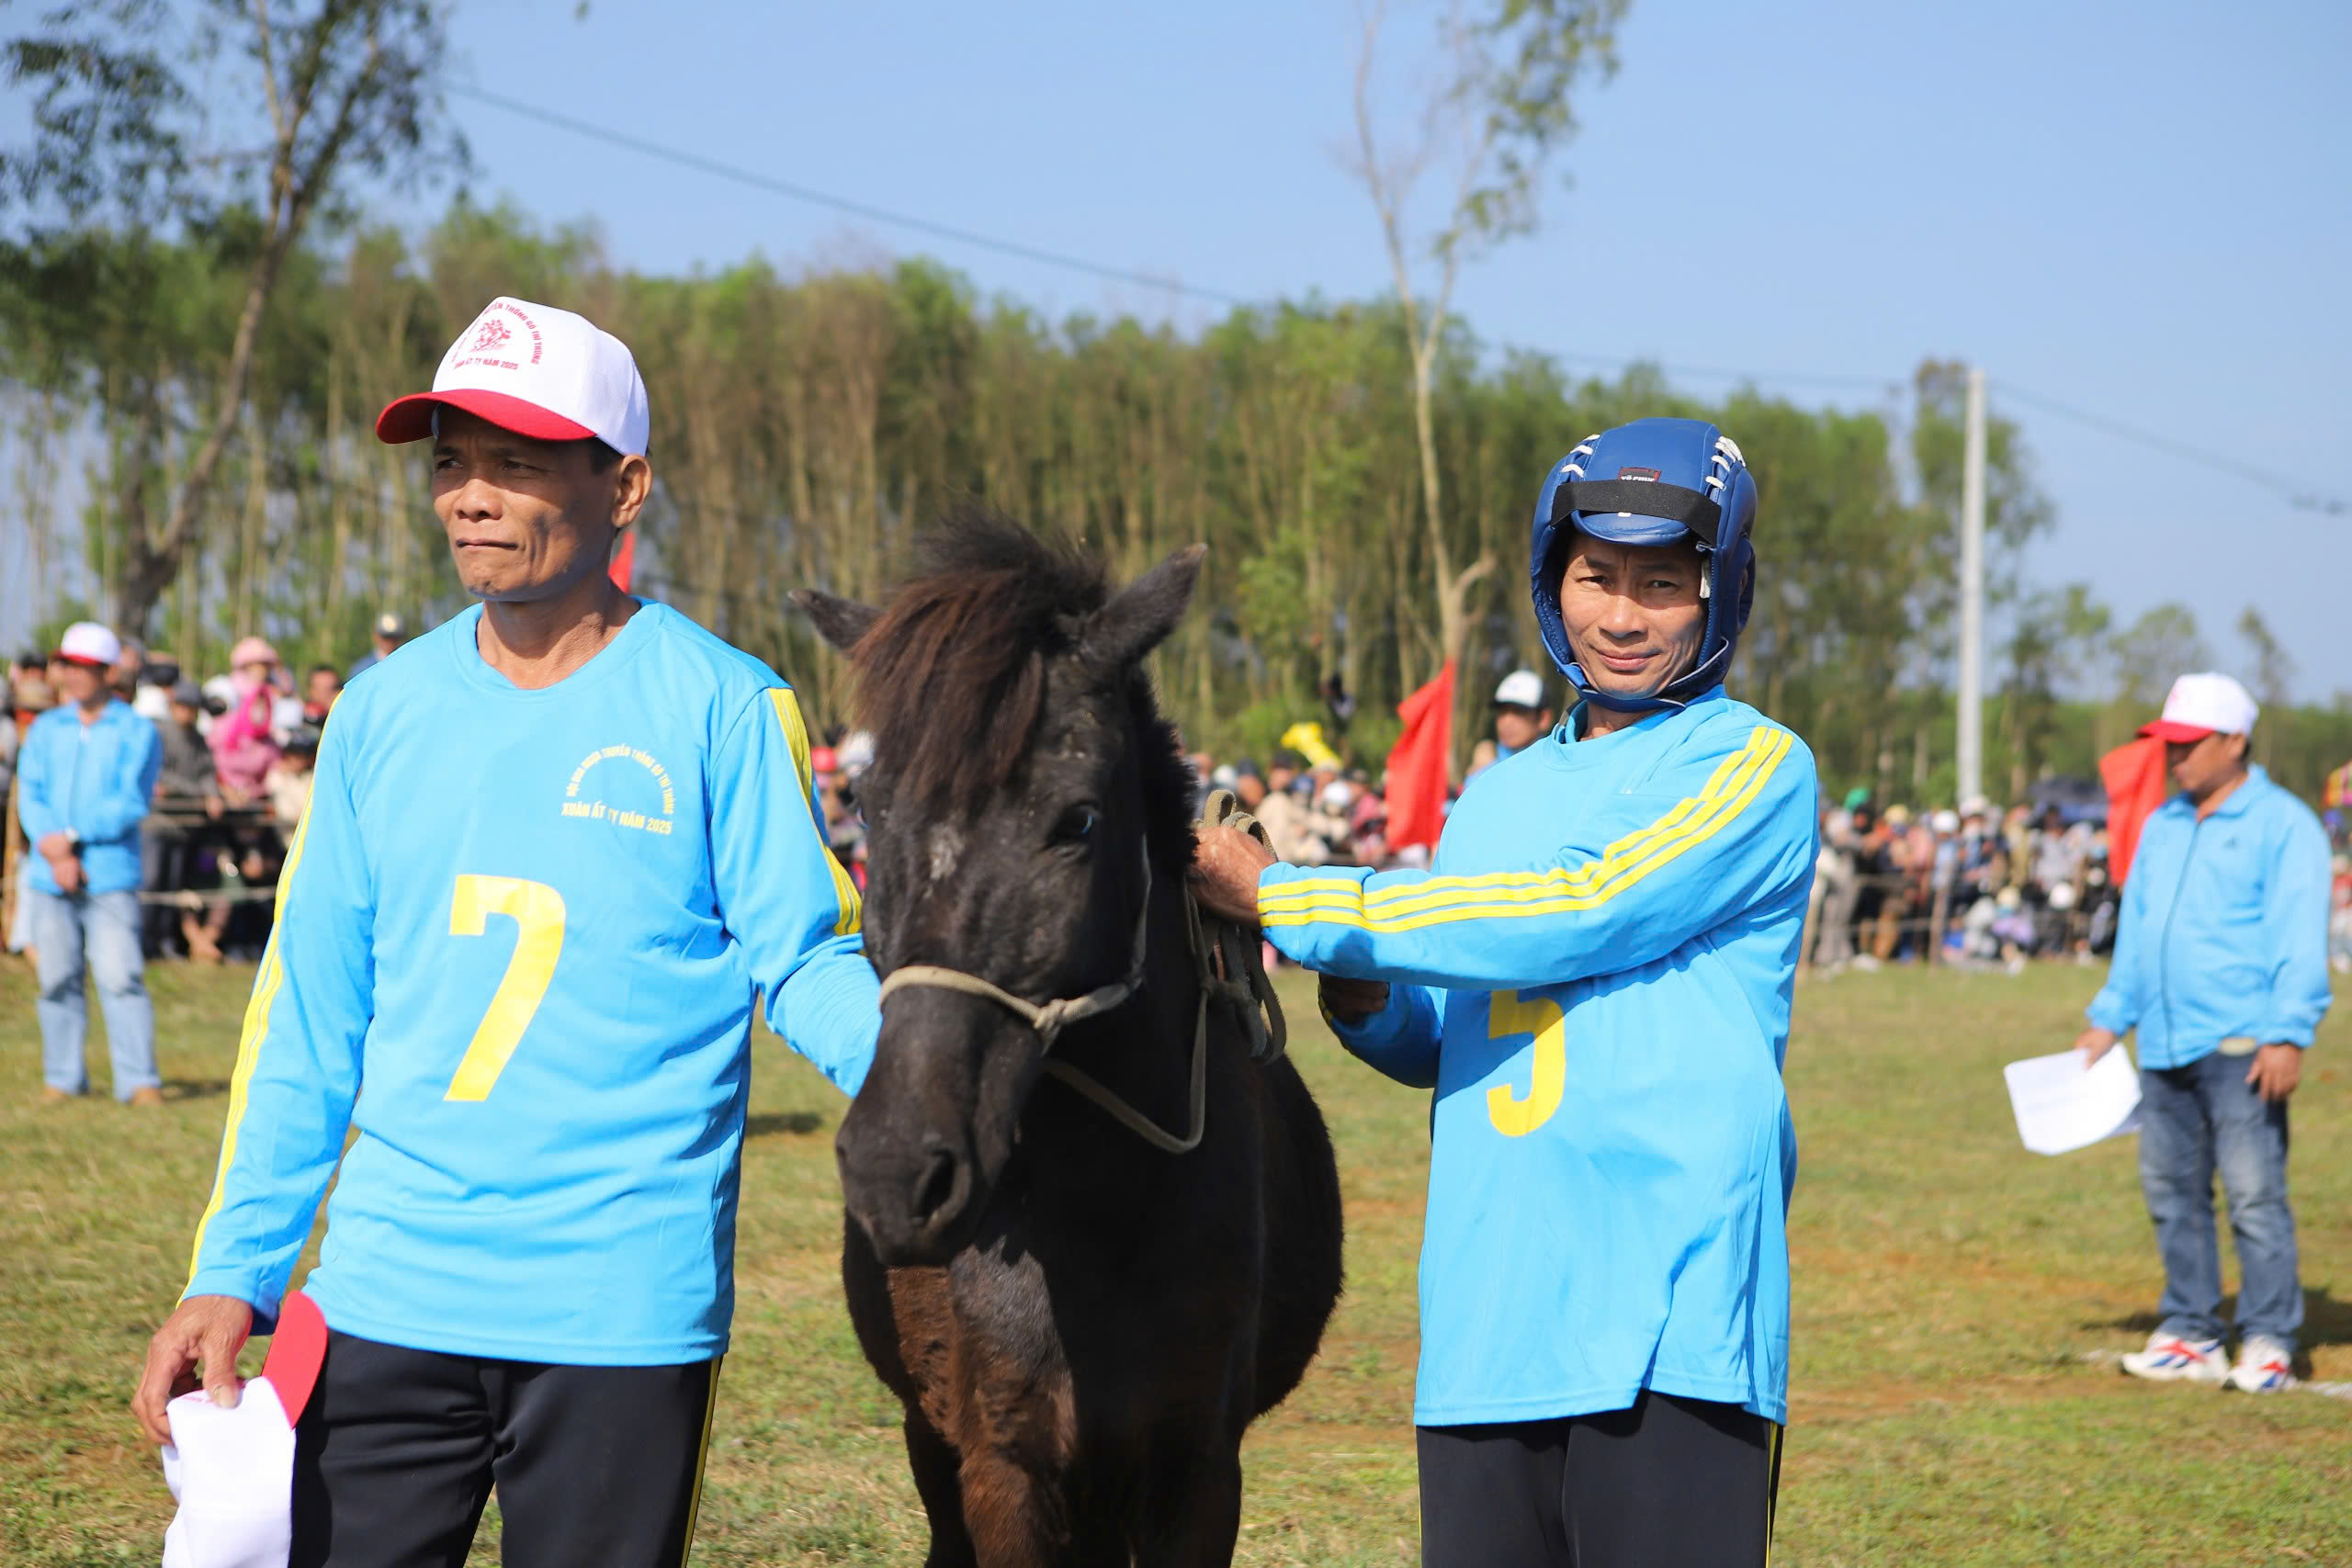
<point x="1079" y="1321"/>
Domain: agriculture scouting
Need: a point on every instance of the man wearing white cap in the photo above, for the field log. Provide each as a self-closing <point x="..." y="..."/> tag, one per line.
<point x="390" y="631"/>
<point x="1523" y="716"/>
<point x="2220" y="965"/>
<point x="542" y="876"/>
<point x="87" y="773"/>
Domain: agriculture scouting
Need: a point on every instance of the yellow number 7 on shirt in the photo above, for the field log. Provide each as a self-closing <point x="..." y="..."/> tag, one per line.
<point x="1516" y="1012"/>
<point x="537" y="910"/>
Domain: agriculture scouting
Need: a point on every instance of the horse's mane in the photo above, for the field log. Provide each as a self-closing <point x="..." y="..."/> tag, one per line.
<point x="951" y="676"/>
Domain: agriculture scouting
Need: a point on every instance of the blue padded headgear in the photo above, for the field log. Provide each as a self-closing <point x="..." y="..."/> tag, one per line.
<point x="1654" y="482"/>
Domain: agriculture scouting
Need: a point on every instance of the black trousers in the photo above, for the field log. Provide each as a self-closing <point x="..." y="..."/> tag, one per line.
<point x="595" y="1467"/>
<point x="1671" y="1482"/>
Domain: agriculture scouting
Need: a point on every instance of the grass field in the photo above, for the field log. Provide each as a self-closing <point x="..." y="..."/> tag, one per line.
<point x="1952" y="1294"/>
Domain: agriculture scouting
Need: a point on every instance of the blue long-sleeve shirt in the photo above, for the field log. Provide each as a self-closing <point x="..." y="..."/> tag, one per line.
<point x="518" y="938"/>
<point x="96" y="779"/>
<point x="1594" y="975"/>
<point x="2223" y="929"/>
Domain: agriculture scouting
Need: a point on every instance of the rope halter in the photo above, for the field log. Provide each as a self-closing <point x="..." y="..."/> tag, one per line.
<point x="1049" y="1019"/>
<point x="1225" y="964"/>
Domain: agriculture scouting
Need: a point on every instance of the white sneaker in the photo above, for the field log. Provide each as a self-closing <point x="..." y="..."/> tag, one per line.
<point x="2168" y="1357"/>
<point x="2265" y="1366"/>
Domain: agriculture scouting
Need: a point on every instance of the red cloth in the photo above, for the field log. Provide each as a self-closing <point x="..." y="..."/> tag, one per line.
<point x="2136" y="785"/>
<point x="624" y="564"/>
<point x="1419" y="763"/>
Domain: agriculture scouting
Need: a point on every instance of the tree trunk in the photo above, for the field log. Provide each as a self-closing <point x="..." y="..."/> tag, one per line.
<point x="256" y="514"/>
<point x="338" y="504"/>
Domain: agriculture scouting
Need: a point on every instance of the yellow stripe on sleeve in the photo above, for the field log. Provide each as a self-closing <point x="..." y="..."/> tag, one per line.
<point x="1688" y="816"/>
<point x="1438" y="900"/>
<point x="266" y="981"/>
<point x="1304" y="889"/>
<point x="796" y="735"/>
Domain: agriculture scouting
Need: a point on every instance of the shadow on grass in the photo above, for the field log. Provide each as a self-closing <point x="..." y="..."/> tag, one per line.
<point x="195" y="1088"/>
<point x="768" y="1123"/>
<point x="2326" y="1321"/>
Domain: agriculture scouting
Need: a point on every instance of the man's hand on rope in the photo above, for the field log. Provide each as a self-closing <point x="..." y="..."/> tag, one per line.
<point x="1226" y="868"/>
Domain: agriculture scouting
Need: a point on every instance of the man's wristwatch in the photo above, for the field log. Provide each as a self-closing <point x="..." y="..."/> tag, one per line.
<point x="73" y="841"/>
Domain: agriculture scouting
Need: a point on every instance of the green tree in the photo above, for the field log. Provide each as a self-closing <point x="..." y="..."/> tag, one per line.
<point x="2274" y="680"/>
<point x="1503" y="106"/>
<point x="2155" y="650"/>
<point x="119" y="128"/>
<point x="2055" y="635"/>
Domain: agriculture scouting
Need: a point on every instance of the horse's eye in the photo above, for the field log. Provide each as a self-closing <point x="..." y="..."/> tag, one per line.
<point x="1075" y="826"/>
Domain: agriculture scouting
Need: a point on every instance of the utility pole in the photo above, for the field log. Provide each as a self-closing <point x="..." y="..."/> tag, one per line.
<point x="1971" y="757"/>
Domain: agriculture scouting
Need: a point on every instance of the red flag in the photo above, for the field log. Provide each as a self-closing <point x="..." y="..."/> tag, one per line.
<point x="624" y="565"/>
<point x="1418" y="764"/>
<point x="2136" y="785"/>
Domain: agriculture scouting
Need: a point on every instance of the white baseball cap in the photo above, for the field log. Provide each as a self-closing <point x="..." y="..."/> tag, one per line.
<point x="232" y="1468"/>
<point x="1520" y="689"/>
<point x="2199" y="705"/>
<point x="537" y="371"/>
<point x="87" y="642"/>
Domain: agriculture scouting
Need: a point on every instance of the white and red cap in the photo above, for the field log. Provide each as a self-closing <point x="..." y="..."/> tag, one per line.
<point x="1520" y="689"/>
<point x="537" y="371"/>
<point x="232" y="1469"/>
<point x="87" y="642"/>
<point x="2199" y="705"/>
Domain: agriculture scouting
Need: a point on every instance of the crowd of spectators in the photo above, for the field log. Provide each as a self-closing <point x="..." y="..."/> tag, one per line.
<point x="1315" y="813"/>
<point x="1316" y="808"/>
<point x="1975" y="884"/>
<point x="238" y="750"/>
<point x="1979" y="886"/>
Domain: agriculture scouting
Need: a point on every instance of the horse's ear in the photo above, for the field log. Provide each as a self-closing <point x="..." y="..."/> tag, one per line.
<point x="841" y="622"/>
<point x="1142" y="613"/>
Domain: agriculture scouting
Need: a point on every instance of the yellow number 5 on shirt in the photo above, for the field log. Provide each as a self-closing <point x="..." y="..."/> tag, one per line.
<point x="1516" y="1012"/>
<point x="537" y="910"/>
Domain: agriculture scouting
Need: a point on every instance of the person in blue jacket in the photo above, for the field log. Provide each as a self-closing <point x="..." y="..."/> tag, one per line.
<point x="554" y="849"/>
<point x="87" y="775"/>
<point x="2220" y="965"/>
<point x="1594" y="975"/>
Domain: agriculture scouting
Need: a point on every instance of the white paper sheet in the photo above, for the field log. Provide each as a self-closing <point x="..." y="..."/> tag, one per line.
<point x="2060" y="1106"/>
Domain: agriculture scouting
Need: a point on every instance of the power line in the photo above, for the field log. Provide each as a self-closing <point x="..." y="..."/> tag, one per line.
<point x="2299" y="497"/>
<point x="843" y="204"/>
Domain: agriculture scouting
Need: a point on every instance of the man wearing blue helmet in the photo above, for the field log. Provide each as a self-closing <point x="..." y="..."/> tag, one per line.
<point x="1594" y="975"/>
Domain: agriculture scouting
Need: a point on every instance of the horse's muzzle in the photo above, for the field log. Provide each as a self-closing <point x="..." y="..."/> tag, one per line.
<point x="915" y="1200"/>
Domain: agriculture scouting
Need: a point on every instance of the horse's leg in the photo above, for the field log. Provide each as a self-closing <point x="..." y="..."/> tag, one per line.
<point x="1192" y="1511"/>
<point x="1018" y="1518"/>
<point x="935" y="1465"/>
<point x="906" y="1326"/>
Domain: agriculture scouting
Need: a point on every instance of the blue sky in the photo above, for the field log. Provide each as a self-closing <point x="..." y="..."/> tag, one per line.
<point x="2143" y="210"/>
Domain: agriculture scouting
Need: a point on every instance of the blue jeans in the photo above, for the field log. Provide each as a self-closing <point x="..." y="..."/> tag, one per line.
<point x="2194" y="1121"/>
<point x="105" y="927"/>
